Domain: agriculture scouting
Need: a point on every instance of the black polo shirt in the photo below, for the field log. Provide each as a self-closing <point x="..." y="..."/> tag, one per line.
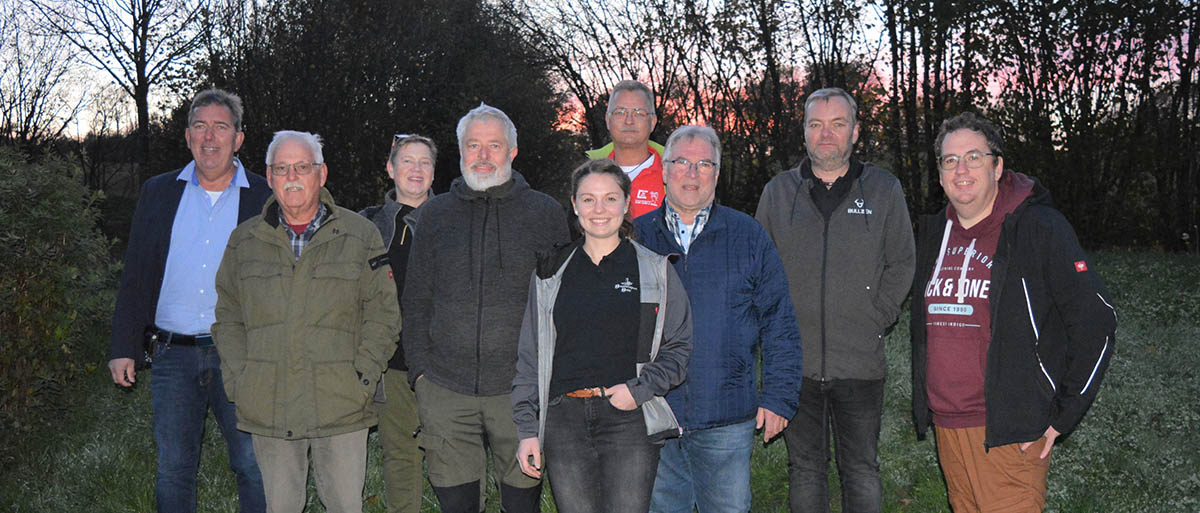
<point x="597" y="315"/>
<point x="828" y="198"/>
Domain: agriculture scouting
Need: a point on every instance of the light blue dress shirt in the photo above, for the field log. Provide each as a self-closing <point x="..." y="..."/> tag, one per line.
<point x="198" y="237"/>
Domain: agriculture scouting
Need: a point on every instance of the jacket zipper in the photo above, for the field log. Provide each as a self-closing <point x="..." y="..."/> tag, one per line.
<point x="824" y="272"/>
<point x="479" y="310"/>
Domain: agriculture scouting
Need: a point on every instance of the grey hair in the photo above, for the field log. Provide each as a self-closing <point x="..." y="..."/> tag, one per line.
<point x="634" y="86"/>
<point x="218" y="97"/>
<point x="689" y="132"/>
<point x="833" y="92"/>
<point x="311" y="141"/>
<point x="485" y="112"/>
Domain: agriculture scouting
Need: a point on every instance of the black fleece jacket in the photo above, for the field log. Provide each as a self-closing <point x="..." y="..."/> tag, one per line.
<point x="1053" y="325"/>
<point x="468" y="281"/>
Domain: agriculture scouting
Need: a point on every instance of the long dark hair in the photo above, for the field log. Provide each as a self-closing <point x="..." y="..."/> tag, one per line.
<point x="605" y="167"/>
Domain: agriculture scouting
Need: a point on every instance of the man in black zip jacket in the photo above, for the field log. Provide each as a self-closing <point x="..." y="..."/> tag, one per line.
<point x="843" y="231"/>
<point x="473" y="252"/>
<point x="1012" y="329"/>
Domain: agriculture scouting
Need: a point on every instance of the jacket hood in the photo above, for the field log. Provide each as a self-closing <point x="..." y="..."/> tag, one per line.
<point x="507" y="190"/>
<point x="1013" y="189"/>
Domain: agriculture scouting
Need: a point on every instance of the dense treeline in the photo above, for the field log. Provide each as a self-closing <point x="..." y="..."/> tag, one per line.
<point x="1099" y="99"/>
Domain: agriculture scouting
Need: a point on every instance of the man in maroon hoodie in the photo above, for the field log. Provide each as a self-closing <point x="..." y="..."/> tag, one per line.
<point x="1012" y="329"/>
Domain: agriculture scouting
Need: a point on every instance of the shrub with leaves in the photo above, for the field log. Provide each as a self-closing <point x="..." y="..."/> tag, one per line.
<point x="56" y="287"/>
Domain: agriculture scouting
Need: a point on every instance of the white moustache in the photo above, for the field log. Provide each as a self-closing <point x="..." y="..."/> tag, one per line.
<point x="293" y="186"/>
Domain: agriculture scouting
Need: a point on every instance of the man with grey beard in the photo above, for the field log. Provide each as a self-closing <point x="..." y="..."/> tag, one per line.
<point x="465" y="292"/>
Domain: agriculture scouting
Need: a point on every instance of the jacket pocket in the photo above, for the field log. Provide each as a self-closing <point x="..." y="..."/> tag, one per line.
<point x="336" y="284"/>
<point x="340" y="396"/>
<point x="262" y="290"/>
<point x="257" y="394"/>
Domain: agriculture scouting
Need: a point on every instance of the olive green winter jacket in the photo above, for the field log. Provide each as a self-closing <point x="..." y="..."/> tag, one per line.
<point x="303" y="342"/>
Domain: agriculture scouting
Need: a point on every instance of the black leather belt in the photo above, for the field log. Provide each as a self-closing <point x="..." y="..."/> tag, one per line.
<point x="179" y="339"/>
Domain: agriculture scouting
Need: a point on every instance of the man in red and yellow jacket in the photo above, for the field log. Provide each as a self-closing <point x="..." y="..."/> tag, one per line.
<point x="630" y="120"/>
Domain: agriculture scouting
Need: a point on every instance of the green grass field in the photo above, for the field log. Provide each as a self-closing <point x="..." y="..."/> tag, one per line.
<point x="1137" y="450"/>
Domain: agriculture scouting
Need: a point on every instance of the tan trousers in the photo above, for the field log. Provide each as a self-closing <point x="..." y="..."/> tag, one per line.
<point x="339" y="467"/>
<point x="1001" y="480"/>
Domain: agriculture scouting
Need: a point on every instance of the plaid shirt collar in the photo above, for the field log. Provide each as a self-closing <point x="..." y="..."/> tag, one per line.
<point x="299" y="240"/>
<point x="673" y="221"/>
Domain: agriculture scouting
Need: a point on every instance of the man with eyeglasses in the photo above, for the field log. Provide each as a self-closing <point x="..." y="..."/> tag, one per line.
<point x="410" y="165"/>
<point x="842" y="228"/>
<point x="307" y="317"/>
<point x="630" y="119"/>
<point x="738" y="292"/>
<point x="1012" y="329"/>
<point x="474" y="250"/>
<point x="165" y="302"/>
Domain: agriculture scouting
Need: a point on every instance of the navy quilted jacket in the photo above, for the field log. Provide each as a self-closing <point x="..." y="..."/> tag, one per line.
<point x="739" y="296"/>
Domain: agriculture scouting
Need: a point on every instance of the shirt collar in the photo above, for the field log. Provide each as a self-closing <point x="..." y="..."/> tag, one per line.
<point x="188" y="174"/>
<point x="674" y="217"/>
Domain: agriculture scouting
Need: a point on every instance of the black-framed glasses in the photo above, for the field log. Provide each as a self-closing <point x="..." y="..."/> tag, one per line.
<point x="302" y="168"/>
<point x="639" y="113"/>
<point x="973" y="159"/>
<point x="682" y="165"/>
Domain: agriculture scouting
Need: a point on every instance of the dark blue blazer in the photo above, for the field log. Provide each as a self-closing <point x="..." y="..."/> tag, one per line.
<point x="146" y="256"/>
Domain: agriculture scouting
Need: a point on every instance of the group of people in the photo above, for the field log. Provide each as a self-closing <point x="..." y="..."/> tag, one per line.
<point x="631" y="366"/>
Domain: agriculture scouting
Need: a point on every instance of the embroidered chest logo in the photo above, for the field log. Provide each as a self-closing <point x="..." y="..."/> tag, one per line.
<point x="858" y="208"/>
<point x="625" y="286"/>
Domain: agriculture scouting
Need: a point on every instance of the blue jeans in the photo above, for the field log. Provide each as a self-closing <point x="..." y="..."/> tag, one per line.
<point x="599" y="459"/>
<point x="184" y="383"/>
<point x="705" y="468"/>
<point x="853" y="409"/>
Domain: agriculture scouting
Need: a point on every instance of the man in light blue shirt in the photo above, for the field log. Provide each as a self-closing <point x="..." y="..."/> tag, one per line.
<point x="178" y="235"/>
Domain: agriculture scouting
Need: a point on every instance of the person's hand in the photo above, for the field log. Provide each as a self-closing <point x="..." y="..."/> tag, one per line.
<point x="123" y="372"/>
<point x="530" y="449"/>
<point x="1050" y="435"/>
<point x="770" y="423"/>
<point x="620" y="397"/>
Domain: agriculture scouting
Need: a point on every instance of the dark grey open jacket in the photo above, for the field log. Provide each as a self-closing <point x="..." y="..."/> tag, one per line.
<point x="662" y="294"/>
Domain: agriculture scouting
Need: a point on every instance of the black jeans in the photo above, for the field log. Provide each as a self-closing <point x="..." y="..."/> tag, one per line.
<point x="598" y="458"/>
<point x="853" y="409"/>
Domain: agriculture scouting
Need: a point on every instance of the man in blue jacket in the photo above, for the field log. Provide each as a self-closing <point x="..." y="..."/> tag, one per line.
<point x="180" y="226"/>
<point x="739" y="296"/>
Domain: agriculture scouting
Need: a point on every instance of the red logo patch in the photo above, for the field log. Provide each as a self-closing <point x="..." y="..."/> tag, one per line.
<point x="390" y="277"/>
<point x="1080" y="266"/>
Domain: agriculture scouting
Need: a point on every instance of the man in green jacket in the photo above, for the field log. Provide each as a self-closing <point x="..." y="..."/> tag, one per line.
<point x="307" y="317"/>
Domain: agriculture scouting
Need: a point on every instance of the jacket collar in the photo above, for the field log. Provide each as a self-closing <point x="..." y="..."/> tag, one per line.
<point x="270" y="211"/>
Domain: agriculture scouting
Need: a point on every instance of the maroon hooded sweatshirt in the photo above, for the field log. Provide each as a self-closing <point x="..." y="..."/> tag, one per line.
<point x="958" y="319"/>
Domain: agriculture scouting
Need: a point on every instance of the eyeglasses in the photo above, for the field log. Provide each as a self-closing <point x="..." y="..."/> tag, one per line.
<point x="682" y="165"/>
<point x="302" y="168"/>
<point x="399" y="137"/>
<point x="639" y="114"/>
<point x="973" y="160"/>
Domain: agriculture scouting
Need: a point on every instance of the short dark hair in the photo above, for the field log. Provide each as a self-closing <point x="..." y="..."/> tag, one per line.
<point x="400" y="142"/>
<point x="218" y="97"/>
<point x="605" y="167"/>
<point x="975" y="123"/>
